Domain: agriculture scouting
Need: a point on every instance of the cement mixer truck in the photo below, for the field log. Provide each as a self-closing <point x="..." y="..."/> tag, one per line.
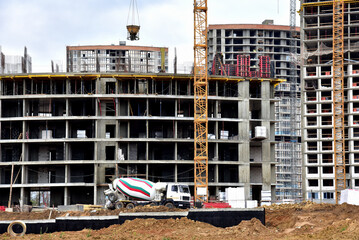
<point x="130" y="192"/>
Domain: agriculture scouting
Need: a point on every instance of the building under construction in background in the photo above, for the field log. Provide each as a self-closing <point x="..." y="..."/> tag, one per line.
<point x="117" y="58"/>
<point x="263" y="50"/>
<point x="65" y="133"/>
<point x="15" y="64"/>
<point x="319" y="174"/>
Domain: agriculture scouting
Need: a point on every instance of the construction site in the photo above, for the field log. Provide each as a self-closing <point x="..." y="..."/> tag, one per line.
<point x="65" y="134"/>
<point x="266" y="117"/>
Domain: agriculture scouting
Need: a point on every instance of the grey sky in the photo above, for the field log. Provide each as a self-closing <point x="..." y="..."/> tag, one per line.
<point x="46" y="27"/>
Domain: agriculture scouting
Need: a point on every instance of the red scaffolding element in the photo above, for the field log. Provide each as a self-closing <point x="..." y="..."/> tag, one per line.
<point x="242" y="68"/>
<point x="230" y="69"/>
<point x="243" y="62"/>
<point x="264" y="66"/>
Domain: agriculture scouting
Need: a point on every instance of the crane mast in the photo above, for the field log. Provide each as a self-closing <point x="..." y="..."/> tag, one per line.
<point x="338" y="96"/>
<point x="200" y="102"/>
<point x="293" y="96"/>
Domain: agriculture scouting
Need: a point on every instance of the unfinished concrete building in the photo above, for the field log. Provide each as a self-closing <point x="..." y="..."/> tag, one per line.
<point x="317" y="87"/>
<point x="15" y="64"/>
<point x="117" y="58"/>
<point x="233" y="41"/>
<point x="65" y="133"/>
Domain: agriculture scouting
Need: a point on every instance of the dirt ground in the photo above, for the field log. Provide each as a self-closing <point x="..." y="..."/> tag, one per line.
<point x="52" y="214"/>
<point x="287" y="221"/>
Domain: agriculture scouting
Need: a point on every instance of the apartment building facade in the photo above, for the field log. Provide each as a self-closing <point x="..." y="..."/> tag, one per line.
<point x="116" y="58"/>
<point x="267" y="39"/>
<point x="65" y="133"/>
<point x="317" y="95"/>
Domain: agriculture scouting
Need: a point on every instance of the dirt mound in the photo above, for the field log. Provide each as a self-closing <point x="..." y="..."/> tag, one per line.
<point x="29" y="215"/>
<point x="98" y="212"/>
<point x="254" y="227"/>
<point x="306" y="220"/>
<point x="106" y="212"/>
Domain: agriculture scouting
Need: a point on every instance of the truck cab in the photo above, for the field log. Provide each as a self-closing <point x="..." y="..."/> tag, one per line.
<point x="178" y="194"/>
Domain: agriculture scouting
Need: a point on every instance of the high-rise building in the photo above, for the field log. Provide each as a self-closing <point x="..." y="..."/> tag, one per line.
<point x="317" y="96"/>
<point x="117" y="58"/>
<point x="253" y="41"/>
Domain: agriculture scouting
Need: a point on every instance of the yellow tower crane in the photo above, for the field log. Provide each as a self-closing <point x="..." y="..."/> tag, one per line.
<point x="200" y="102"/>
<point x="338" y="96"/>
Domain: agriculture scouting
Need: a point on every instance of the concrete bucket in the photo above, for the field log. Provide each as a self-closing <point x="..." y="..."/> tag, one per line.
<point x="133" y="32"/>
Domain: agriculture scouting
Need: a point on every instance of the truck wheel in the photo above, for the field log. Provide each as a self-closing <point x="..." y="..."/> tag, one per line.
<point x="130" y="206"/>
<point x="169" y="205"/>
<point x="112" y="197"/>
<point x="119" y="205"/>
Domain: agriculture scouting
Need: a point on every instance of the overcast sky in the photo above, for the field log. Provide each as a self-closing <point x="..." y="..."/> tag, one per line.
<point x="46" y="27"/>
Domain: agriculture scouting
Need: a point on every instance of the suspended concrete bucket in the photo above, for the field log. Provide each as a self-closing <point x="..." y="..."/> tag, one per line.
<point x="133" y="32"/>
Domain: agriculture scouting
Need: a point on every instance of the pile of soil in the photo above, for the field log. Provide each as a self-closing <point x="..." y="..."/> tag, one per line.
<point x="287" y="221"/>
<point x="106" y="212"/>
<point x="46" y="214"/>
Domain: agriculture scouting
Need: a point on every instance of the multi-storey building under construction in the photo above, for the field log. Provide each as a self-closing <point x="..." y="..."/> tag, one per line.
<point x="64" y="134"/>
<point x="317" y="95"/>
<point x="10" y="64"/>
<point x="245" y="45"/>
<point x="117" y="58"/>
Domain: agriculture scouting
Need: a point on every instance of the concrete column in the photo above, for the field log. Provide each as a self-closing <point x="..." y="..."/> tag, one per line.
<point x="216" y="173"/>
<point x="223" y="41"/>
<point x="243" y="133"/>
<point x="23" y="107"/>
<point x="175" y="133"/>
<point x="98" y="86"/>
<point x="176" y="83"/>
<point x="95" y="185"/>
<point x="176" y="170"/>
<point x="96" y="145"/>
<point x="67" y="173"/>
<point x="147" y="108"/>
<point x="66" y="196"/>
<point x="32" y="86"/>
<point x="266" y="147"/>
<point x="67" y="90"/>
<point x="23" y="175"/>
<point x="22" y="197"/>
<point x="67" y="129"/>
